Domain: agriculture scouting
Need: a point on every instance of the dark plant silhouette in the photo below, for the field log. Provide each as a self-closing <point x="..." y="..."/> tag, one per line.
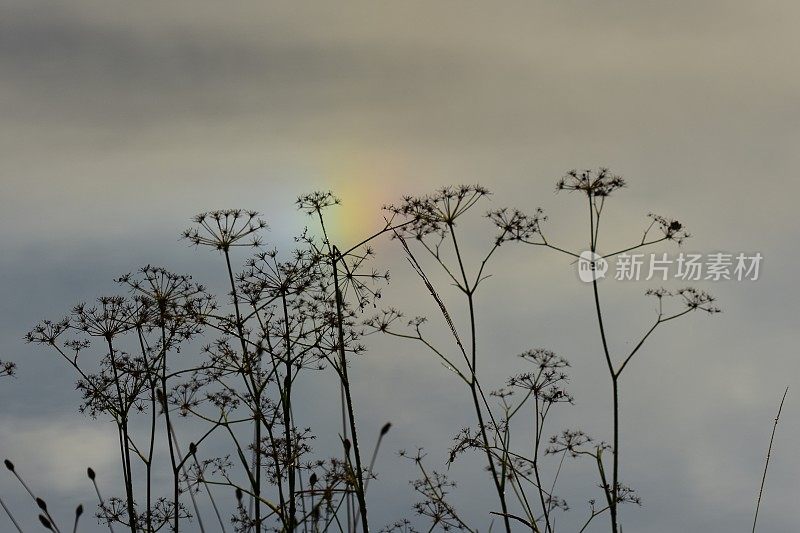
<point x="166" y="356"/>
<point x="433" y="222"/>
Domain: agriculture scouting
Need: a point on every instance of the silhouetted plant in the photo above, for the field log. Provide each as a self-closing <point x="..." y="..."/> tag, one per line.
<point x="287" y="314"/>
<point x="431" y="223"/>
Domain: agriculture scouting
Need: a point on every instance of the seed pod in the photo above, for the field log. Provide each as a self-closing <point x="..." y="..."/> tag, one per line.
<point x="45" y="522"/>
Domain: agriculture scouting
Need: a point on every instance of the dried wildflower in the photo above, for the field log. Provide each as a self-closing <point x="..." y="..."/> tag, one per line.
<point x="514" y="225"/>
<point x="434" y="488"/>
<point x="574" y="442"/>
<point x="225" y="229"/>
<point x="357" y="281"/>
<point x="165" y="299"/>
<point x="692" y="300"/>
<point x="466" y="439"/>
<point x="546" y="382"/>
<point x="185" y="397"/>
<point x="596" y="184"/>
<point x="401" y="526"/>
<point x="672" y="229"/>
<point x="47" y="332"/>
<point x="267" y="278"/>
<point x="111" y="317"/>
<point x="316" y="202"/>
<point x="695" y="299"/>
<point x="626" y="494"/>
<point x="433" y="214"/>
<point x="381" y="322"/>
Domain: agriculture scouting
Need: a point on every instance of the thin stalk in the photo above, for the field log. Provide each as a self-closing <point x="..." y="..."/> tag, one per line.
<point x="256" y="394"/>
<point x="362" y="504"/>
<point x="614" y="379"/>
<point x="123" y="427"/>
<point x="10" y="516"/>
<point x="769" y="454"/>
<point x="168" y="423"/>
<point x="287" y="416"/>
<point x="473" y="384"/>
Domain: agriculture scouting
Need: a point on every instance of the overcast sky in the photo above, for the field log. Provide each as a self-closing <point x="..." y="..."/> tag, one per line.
<point x="123" y="119"/>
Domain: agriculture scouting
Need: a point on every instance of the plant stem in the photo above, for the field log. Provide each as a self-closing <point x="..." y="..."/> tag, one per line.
<point x="769" y="454"/>
<point x="362" y="504"/>
<point x="614" y="379"/>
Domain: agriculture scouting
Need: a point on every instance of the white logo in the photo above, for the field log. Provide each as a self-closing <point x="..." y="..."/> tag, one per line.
<point x="591" y="266"/>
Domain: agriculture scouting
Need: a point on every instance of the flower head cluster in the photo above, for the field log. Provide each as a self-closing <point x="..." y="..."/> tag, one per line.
<point x="672" y="229"/>
<point x="434" y="487"/>
<point x="355" y="280"/>
<point x="161" y="514"/>
<point x="168" y="299"/>
<point x="692" y="299"/>
<point x="382" y="322"/>
<point x="514" y="225"/>
<point x="225" y="229"/>
<point x="47" y="331"/>
<point x="700" y="300"/>
<point x="546" y="381"/>
<point x="575" y="443"/>
<point x="266" y="277"/>
<point x="316" y="202"/>
<point x="599" y="183"/>
<point x="112" y="316"/>
<point x="433" y="214"/>
<point x="117" y="387"/>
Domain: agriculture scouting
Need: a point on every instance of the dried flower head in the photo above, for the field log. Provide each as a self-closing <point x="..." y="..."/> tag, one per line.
<point x="671" y="228"/>
<point x="695" y="299"/>
<point x="547" y="380"/>
<point x="111" y="317"/>
<point x="316" y="202"/>
<point x="599" y="183"/>
<point x="433" y="214"/>
<point x="575" y="443"/>
<point x="515" y="225"/>
<point x="225" y="229"/>
<point x="691" y="298"/>
<point x="47" y="331"/>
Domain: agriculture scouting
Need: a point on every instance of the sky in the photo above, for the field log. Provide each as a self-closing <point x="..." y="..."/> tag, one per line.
<point x="121" y="120"/>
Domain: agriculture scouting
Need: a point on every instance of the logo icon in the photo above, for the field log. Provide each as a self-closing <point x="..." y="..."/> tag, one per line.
<point x="591" y="266"/>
